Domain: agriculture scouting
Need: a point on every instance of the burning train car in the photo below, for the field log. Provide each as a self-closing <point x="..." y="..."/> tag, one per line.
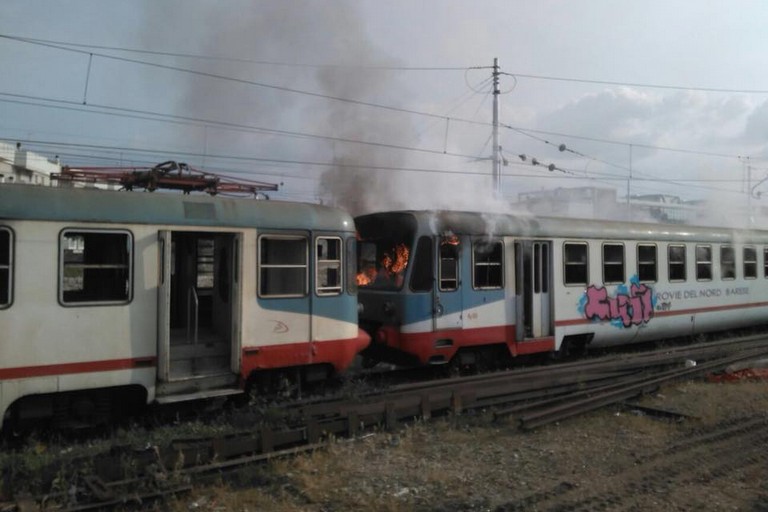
<point x="440" y="287"/>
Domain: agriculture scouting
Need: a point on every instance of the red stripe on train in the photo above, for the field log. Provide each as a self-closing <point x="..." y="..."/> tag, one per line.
<point x="48" y="370"/>
<point x="337" y="353"/>
<point x="442" y="345"/>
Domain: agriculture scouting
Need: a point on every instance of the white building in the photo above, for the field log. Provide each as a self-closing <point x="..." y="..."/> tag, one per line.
<point x="20" y="166"/>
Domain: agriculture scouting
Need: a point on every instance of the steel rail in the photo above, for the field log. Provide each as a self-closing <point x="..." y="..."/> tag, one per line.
<point x="551" y="393"/>
<point x="569" y="409"/>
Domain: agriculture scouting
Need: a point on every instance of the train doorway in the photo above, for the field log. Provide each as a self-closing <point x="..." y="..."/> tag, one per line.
<point x="198" y="303"/>
<point x="533" y="275"/>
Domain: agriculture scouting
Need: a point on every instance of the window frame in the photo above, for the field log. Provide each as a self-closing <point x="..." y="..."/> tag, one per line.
<point x="488" y="264"/>
<point x="205" y="263"/>
<point x="752" y="262"/>
<point x="329" y="291"/>
<point x="611" y="265"/>
<point x="641" y="262"/>
<point x="262" y="266"/>
<point x="456" y="266"/>
<point x="723" y="249"/>
<point x="704" y="263"/>
<point x="682" y="264"/>
<point x="10" y="266"/>
<point x="130" y="249"/>
<point x="542" y="253"/>
<point x="584" y="264"/>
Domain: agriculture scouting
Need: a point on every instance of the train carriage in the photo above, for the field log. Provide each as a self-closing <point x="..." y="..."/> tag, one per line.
<point x="124" y="297"/>
<point x="444" y="286"/>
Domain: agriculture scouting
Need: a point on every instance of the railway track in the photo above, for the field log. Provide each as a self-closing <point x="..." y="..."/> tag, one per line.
<point x="708" y="455"/>
<point x="532" y="396"/>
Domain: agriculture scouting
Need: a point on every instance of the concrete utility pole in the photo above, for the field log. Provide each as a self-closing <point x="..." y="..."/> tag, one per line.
<point x="496" y="160"/>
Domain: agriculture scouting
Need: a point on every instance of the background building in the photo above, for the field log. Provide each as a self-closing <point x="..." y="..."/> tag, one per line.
<point x="20" y="166"/>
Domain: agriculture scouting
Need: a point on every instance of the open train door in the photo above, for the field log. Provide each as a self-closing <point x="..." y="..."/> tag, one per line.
<point x="198" y="311"/>
<point x="533" y="276"/>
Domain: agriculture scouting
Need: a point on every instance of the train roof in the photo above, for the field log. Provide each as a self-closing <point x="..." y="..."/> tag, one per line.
<point x="466" y="222"/>
<point x="35" y="202"/>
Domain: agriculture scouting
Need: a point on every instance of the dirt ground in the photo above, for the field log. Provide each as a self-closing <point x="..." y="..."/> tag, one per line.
<point x="614" y="459"/>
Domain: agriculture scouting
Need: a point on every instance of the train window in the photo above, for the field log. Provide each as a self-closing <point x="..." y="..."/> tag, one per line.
<point x="704" y="262"/>
<point x="540" y="267"/>
<point x="613" y="263"/>
<point x="727" y="262"/>
<point x="95" y="267"/>
<point x="328" y="266"/>
<point x="487" y="267"/>
<point x="647" y="263"/>
<point x="6" y="267"/>
<point x="205" y="261"/>
<point x="676" y="262"/>
<point x="575" y="262"/>
<point x="282" y="266"/>
<point x="449" y="264"/>
<point x="422" y="273"/>
<point x="750" y="263"/>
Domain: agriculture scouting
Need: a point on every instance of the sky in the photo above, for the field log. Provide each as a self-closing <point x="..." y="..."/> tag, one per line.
<point x="372" y="105"/>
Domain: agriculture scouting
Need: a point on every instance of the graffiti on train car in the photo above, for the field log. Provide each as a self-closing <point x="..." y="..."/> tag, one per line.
<point x="629" y="306"/>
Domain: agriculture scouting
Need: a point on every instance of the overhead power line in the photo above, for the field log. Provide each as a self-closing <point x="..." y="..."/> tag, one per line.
<point x="529" y="131"/>
<point x="225" y="78"/>
<point x="239" y="59"/>
<point x="149" y="151"/>
<point x="159" y="116"/>
<point x="156" y="116"/>
<point x="42" y="42"/>
<point x="380" y="67"/>
<point x="571" y="174"/>
<point x="640" y="84"/>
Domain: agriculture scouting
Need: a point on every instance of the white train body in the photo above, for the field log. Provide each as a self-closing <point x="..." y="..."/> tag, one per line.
<point x="541" y="284"/>
<point x="166" y="297"/>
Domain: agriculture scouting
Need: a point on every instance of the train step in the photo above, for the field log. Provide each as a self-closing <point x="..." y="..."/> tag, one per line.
<point x="196" y="387"/>
<point x="200" y="395"/>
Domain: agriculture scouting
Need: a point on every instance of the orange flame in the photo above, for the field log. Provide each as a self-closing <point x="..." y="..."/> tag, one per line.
<point x="401" y="259"/>
<point x="392" y="266"/>
<point x="366" y="276"/>
<point x="450" y="240"/>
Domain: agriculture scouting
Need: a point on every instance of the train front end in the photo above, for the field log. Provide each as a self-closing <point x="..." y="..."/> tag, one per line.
<point x="393" y="307"/>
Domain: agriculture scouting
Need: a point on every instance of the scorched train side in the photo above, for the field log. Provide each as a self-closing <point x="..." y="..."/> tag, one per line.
<point x="444" y="286"/>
